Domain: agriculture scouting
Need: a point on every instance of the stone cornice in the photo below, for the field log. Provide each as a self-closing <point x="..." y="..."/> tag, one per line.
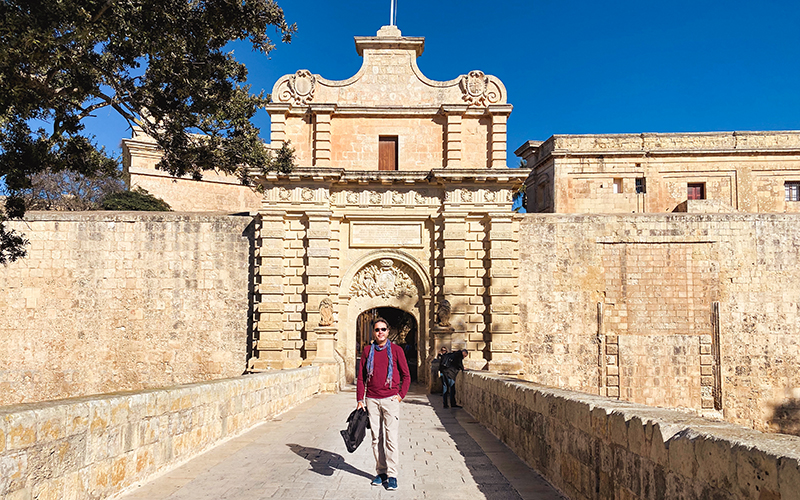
<point x="434" y="176"/>
<point x="652" y="145"/>
<point x="496" y="175"/>
<point x="382" y="111"/>
<point x="415" y="44"/>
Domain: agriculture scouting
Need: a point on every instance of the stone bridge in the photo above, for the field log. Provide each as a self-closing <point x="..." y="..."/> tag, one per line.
<point x="275" y="435"/>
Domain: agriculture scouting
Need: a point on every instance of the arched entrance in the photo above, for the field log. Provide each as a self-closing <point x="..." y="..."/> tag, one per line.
<point x="394" y="284"/>
<point x="403" y="331"/>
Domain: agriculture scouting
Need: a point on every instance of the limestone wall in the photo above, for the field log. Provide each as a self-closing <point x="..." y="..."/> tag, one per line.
<point x="217" y="192"/>
<point x="742" y="171"/>
<point x="94" y="447"/>
<point x="682" y="310"/>
<point x="109" y="301"/>
<point x="592" y="447"/>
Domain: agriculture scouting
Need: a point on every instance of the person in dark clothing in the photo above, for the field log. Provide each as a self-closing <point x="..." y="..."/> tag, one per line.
<point x="383" y="382"/>
<point x="449" y="366"/>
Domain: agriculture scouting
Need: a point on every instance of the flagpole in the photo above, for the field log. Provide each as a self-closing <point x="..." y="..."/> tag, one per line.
<point x="391" y="13"/>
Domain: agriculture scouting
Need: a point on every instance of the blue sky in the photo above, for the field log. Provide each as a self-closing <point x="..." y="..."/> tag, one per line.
<point x="570" y="67"/>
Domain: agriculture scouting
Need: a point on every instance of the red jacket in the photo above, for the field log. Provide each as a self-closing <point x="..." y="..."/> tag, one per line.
<point x="377" y="388"/>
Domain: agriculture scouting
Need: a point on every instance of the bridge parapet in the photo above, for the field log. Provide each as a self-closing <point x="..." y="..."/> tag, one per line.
<point x="591" y="447"/>
<point x="97" y="446"/>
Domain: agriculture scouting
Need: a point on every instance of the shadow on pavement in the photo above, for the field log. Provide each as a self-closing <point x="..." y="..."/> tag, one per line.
<point x="414" y="401"/>
<point x="489" y="480"/>
<point x="324" y="462"/>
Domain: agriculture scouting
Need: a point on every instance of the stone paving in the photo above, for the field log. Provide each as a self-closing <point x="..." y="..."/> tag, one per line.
<point x="445" y="454"/>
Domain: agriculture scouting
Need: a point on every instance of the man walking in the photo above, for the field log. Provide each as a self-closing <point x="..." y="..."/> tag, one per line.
<point x="383" y="381"/>
<point x="449" y="366"/>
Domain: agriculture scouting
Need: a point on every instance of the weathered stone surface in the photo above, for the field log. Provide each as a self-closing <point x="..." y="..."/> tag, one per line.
<point x="115" y="440"/>
<point x="119" y="301"/>
<point x="693" y="459"/>
<point x="661" y="283"/>
<point x="598" y="173"/>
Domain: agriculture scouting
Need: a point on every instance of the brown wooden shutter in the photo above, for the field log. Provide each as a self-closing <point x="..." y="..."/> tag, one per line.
<point x="387" y="153"/>
<point x="696" y="191"/>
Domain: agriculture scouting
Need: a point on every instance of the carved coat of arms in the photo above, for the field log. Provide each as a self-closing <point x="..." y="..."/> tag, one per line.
<point x="478" y="90"/>
<point x="301" y="87"/>
<point x="474" y="87"/>
<point x="383" y="280"/>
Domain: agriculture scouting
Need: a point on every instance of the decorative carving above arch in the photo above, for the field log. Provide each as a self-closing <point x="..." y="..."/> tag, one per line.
<point x="385" y="279"/>
<point x="401" y="260"/>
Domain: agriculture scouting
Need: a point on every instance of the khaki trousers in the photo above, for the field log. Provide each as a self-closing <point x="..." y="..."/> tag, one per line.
<point x="384" y="422"/>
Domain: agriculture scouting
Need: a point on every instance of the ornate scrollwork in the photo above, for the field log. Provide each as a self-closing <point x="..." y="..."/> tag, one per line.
<point x="489" y="196"/>
<point x="300" y="88"/>
<point x="352" y="197"/>
<point x="307" y="194"/>
<point x="478" y="89"/>
<point x="466" y="196"/>
<point x="383" y="280"/>
<point x="397" y="198"/>
<point x="284" y="194"/>
<point x="375" y="198"/>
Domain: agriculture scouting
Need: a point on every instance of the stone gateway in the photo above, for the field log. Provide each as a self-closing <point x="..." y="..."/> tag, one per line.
<point x="400" y="207"/>
<point x="401" y="200"/>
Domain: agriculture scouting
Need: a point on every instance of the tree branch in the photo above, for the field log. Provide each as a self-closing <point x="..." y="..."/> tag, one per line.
<point x="102" y="10"/>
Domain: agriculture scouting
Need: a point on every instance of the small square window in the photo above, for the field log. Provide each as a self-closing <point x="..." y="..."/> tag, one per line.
<point x="792" y="190"/>
<point x="641" y="185"/>
<point x="696" y="191"/>
<point x="618" y="185"/>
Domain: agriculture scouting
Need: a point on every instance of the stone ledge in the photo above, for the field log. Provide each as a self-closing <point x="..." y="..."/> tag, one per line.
<point x="97" y="446"/>
<point x="593" y="447"/>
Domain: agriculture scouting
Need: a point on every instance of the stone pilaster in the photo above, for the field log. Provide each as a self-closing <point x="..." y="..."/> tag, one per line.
<point x="318" y="274"/>
<point x="497" y="135"/>
<point x="322" y="135"/>
<point x="269" y="277"/>
<point x="476" y="307"/>
<point x="294" y="289"/>
<point x="277" y="116"/>
<point x="455" y="283"/>
<point x="503" y="293"/>
<point x="454" y="115"/>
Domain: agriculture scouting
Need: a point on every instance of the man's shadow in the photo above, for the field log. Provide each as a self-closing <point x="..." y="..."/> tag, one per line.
<point x="324" y="462"/>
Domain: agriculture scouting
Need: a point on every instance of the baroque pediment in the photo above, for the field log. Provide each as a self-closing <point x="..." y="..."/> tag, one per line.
<point x="389" y="77"/>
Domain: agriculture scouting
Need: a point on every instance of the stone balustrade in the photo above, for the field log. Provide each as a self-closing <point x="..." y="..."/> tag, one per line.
<point x="593" y="447"/>
<point x="96" y="446"/>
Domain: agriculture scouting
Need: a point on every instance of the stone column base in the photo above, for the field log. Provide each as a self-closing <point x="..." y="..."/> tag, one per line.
<point x="326" y="359"/>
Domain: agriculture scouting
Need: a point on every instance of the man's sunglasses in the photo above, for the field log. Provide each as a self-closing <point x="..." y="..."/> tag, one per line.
<point x="381" y="329"/>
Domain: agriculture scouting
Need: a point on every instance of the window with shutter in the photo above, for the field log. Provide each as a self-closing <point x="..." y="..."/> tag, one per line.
<point x="696" y="191"/>
<point x="387" y="153"/>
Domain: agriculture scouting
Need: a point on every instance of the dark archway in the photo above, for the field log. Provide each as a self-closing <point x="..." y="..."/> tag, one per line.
<point x="403" y="331"/>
